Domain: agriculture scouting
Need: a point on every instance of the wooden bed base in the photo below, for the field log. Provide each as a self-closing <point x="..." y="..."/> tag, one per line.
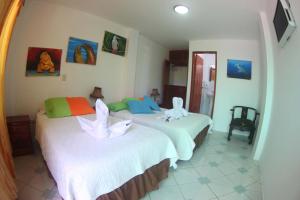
<point x="138" y="186"/>
<point x="200" y="137"/>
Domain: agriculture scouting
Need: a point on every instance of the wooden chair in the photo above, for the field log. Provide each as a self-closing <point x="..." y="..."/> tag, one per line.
<point x="243" y="121"/>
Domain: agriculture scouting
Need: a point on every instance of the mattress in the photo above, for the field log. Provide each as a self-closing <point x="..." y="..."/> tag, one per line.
<point x="182" y="132"/>
<point x="85" y="167"/>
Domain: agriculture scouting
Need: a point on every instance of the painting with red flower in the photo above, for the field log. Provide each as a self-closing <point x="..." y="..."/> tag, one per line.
<point x="43" y="62"/>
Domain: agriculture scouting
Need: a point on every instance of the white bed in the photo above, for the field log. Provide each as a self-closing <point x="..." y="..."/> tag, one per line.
<point x="85" y="167"/>
<point x="182" y="132"/>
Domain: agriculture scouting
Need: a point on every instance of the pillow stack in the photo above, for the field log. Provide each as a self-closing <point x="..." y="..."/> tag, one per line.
<point x="149" y="102"/>
<point x="143" y="105"/>
<point x="67" y="106"/>
<point x="121" y="105"/>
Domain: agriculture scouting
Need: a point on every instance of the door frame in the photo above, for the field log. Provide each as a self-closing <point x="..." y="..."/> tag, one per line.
<point x="194" y="53"/>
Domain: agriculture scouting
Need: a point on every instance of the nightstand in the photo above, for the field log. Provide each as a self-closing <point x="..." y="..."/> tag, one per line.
<point x="20" y="135"/>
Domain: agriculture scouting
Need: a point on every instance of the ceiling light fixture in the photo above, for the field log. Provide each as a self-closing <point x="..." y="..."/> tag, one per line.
<point x="180" y="9"/>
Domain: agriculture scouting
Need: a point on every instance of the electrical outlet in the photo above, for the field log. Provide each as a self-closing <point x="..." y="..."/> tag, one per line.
<point x="64" y="77"/>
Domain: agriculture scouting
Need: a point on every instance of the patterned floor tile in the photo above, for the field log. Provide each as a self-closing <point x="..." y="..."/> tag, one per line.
<point x="240" y="189"/>
<point x="20" y="185"/>
<point x="254" y="191"/>
<point x="170" y="181"/>
<point x="213" y="164"/>
<point x="25" y="174"/>
<point x="184" y="164"/>
<point x="242" y="170"/>
<point x="29" y="193"/>
<point x="241" y="179"/>
<point x="31" y="161"/>
<point x="53" y="195"/>
<point x="234" y="196"/>
<point x="210" y="172"/>
<point x="227" y="167"/>
<point x="196" y="191"/>
<point x="216" y="158"/>
<point x="167" y="193"/>
<point x="188" y="175"/>
<point x="200" y="161"/>
<point x="42" y="182"/>
<point x="221" y="186"/>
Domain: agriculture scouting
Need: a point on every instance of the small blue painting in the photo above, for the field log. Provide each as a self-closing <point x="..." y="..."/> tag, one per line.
<point x="239" y="69"/>
<point x="82" y="51"/>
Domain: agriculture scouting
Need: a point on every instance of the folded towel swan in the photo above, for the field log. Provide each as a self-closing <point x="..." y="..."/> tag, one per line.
<point x="178" y="111"/>
<point x="99" y="128"/>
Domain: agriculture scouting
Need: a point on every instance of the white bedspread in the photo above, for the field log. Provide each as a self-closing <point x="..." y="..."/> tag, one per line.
<point x="85" y="168"/>
<point x="182" y="132"/>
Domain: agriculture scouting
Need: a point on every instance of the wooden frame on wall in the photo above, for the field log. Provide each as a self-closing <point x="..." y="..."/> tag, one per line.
<point x="8" y="14"/>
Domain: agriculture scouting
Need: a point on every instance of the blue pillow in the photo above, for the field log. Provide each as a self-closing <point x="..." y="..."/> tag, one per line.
<point x="148" y="101"/>
<point x="139" y="107"/>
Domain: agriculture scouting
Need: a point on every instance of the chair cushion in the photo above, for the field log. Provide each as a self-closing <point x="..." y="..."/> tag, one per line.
<point x="243" y="125"/>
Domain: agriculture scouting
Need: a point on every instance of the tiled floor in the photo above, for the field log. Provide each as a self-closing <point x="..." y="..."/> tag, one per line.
<point x="219" y="170"/>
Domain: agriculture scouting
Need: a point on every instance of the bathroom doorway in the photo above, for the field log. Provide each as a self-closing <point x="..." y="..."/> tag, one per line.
<point x="203" y="82"/>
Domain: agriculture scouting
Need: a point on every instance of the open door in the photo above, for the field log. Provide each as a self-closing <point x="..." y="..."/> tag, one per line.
<point x="203" y="82"/>
<point x="196" y="84"/>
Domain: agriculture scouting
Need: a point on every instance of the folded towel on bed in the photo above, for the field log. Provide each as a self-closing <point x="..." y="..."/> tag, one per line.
<point x="99" y="128"/>
<point x="178" y="111"/>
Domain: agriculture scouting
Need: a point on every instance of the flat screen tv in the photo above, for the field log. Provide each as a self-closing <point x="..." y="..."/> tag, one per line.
<point x="283" y="22"/>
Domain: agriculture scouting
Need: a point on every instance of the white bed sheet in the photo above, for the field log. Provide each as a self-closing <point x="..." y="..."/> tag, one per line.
<point x="85" y="167"/>
<point x="182" y="132"/>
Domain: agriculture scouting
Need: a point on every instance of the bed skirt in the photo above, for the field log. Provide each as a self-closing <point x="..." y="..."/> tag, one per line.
<point x="200" y="137"/>
<point x="138" y="186"/>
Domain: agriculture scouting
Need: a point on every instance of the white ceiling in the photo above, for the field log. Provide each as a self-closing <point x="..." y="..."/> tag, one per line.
<point x="207" y="19"/>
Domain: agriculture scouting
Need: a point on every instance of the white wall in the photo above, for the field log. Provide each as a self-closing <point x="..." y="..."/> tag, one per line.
<point x="149" y="66"/>
<point x="178" y="75"/>
<point x="229" y="91"/>
<point x="280" y="161"/>
<point x="266" y="86"/>
<point x="42" y="24"/>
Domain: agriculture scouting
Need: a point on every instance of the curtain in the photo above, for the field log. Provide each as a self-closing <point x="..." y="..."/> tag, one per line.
<point x="9" y="10"/>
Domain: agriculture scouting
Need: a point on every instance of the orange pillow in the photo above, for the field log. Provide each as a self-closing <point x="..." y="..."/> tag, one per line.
<point x="79" y="106"/>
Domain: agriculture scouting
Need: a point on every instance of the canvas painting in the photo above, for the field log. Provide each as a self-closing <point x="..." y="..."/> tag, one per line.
<point x="82" y="51"/>
<point x="239" y="69"/>
<point x="43" y="61"/>
<point x="114" y="44"/>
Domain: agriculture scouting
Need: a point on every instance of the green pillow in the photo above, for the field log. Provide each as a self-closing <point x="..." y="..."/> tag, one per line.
<point x="57" y="107"/>
<point x="117" y="106"/>
<point x="125" y="100"/>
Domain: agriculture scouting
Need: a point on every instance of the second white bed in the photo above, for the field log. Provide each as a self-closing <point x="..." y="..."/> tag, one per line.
<point x="182" y="132"/>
